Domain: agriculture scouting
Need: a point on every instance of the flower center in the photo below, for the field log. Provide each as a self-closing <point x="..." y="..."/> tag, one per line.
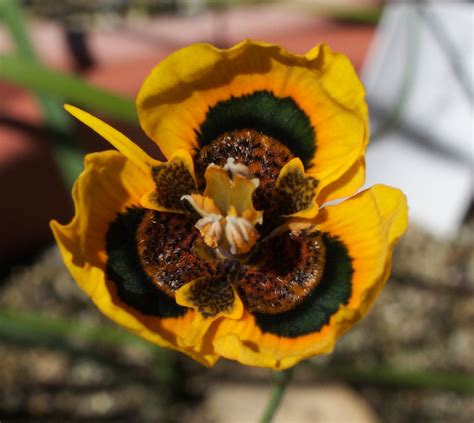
<point x="263" y="155"/>
<point x="228" y="217"/>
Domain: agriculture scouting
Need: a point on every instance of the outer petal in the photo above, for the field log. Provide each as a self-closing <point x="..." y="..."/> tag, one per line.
<point x="110" y="184"/>
<point x="361" y="233"/>
<point x="197" y="92"/>
<point x="173" y="179"/>
<point x="345" y="186"/>
<point x="211" y="305"/>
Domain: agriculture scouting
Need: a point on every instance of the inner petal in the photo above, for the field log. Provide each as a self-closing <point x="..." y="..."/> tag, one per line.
<point x="286" y="270"/>
<point x="172" y="179"/>
<point x="210" y="296"/>
<point x="165" y="246"/>
<point x="295" y="192"/>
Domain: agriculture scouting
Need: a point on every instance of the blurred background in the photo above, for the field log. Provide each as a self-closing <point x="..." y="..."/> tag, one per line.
<point x="411" y="359"/>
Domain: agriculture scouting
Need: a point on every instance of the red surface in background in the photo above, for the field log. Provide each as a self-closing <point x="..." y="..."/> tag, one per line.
<point x="30" y="186"/>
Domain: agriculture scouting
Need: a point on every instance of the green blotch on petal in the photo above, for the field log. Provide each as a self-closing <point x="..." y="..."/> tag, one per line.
<point x="334" y="290"/>
<point x="134" y="287"/>
<point x="279" y="118"/>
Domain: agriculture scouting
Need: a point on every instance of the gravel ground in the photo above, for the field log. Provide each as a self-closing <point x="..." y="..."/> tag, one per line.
<point x="422" y="322"/>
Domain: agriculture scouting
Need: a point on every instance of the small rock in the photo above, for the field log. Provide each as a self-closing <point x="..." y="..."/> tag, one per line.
<point x="244" y="403"/>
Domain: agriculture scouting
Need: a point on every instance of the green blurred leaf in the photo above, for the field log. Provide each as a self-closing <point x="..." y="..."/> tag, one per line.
<point x="34" y="327"/>
<point x="65" y="335"/>
<point x="10" y="12"/>
<point x="67" y="155"/>
<point x="358" y="15"/>
<point x="389" y="376"/>
<point x="38" y="78"/>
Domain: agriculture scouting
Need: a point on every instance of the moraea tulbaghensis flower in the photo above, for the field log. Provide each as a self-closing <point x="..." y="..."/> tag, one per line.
<point x="227" y="249"/>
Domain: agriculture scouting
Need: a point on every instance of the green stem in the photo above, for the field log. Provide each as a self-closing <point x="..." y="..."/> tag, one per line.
<point x="281" y="382"/>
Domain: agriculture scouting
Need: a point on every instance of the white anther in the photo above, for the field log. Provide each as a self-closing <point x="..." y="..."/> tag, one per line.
<point x="217" y="227"/>
<point x="240" y="234"/>
<point x="211" y="229"/>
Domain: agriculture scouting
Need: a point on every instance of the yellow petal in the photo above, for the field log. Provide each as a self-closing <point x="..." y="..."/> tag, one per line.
<point x="369" y="224"/>
<point x="345" y="186"/>
<point x="244" y="342"/>
<point x="359" y="233"/>
<point x="111" y="185"/>
<point x="212" y="299"/>
<point x="177" y="99"/>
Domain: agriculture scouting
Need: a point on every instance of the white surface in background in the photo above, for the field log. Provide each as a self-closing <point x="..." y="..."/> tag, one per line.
<point x="438" y="180"/>
<point x="437" y="103"/>
<point x="438" y="189"/>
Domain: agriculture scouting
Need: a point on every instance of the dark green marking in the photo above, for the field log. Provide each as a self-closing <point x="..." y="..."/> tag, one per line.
<point x="311" y="315"/>
<point x="134" y="287"/>
<point x="279" y="118"/>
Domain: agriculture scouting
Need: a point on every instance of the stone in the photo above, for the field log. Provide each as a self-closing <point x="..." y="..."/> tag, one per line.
<point x="239" y="403"/>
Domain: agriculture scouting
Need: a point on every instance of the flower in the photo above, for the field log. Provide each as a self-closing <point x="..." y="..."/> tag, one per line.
<point x="229" y="248"/>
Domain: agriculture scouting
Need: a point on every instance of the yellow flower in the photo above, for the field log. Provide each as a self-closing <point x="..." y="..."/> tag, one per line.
<point x="228" y="249"/>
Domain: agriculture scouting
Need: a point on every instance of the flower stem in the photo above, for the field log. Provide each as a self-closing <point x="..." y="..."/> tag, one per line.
<point x="281" y="382"/>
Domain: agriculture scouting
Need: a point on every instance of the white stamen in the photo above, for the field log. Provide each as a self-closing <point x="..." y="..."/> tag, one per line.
<point x="211" y="229"/>
<point x="211" y="218"/>
<point x="240" y="234"/>
<point x="245" y="226"/>
<point x="233" y="236"/>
